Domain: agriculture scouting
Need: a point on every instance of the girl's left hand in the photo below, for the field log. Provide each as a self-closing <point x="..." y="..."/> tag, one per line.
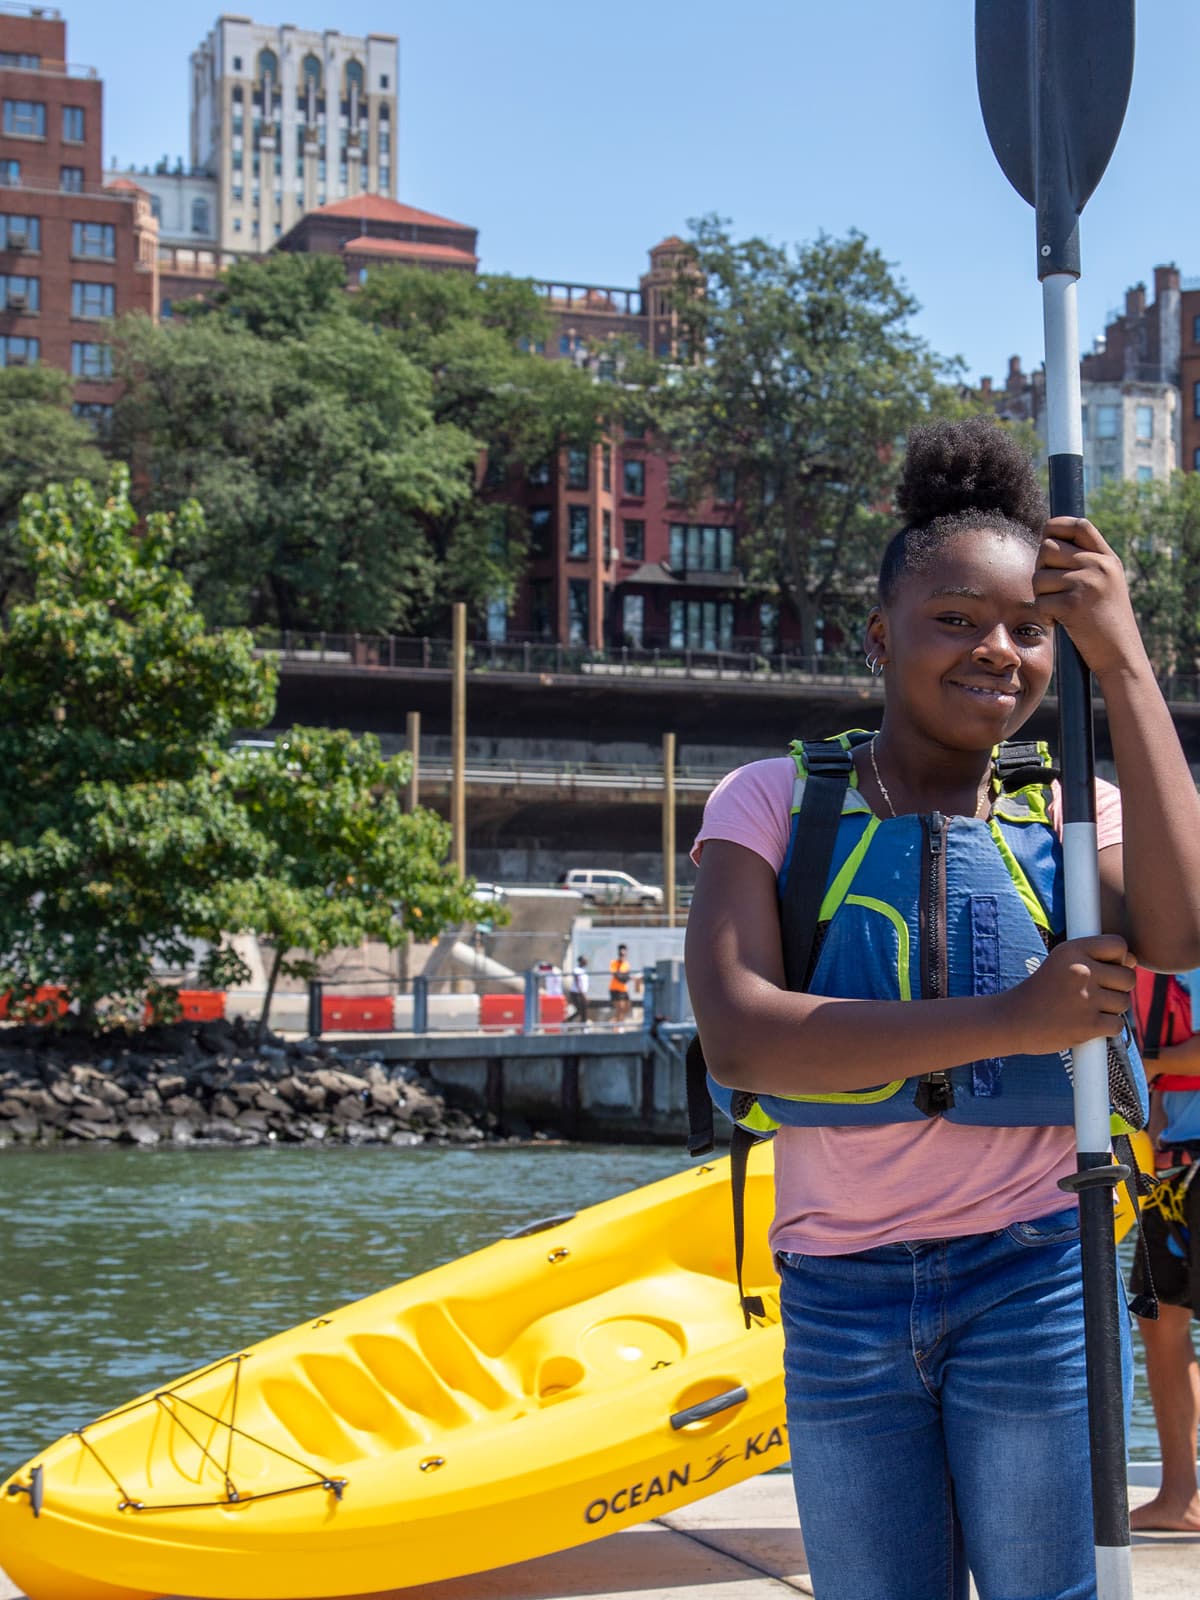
<point x="1080" y="583"/>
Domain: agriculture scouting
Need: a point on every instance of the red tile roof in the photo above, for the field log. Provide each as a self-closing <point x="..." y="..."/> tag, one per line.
<point x="378" y="208"/>
<point x="125" y="183"/>
<point x="366" y="245"/>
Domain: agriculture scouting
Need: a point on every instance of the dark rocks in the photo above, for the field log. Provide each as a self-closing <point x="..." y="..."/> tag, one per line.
<point x="191" y="1084"/>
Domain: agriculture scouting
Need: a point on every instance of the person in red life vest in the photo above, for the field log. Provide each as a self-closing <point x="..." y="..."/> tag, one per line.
<point x="1171" y="1218"/>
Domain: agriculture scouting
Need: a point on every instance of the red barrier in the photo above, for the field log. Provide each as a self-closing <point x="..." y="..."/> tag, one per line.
<point x="202" y="1005"/>
<point x="357" y="1013"/>
<point x="508" y="1010"/>
<point x="53" y="996"/>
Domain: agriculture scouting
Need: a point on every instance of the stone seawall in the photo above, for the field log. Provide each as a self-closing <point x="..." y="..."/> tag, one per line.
<point x="209" y="1084"/>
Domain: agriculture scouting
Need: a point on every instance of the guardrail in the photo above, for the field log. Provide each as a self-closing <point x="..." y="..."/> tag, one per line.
<point x="587" y="774"/>
<point x="743" y="661"/>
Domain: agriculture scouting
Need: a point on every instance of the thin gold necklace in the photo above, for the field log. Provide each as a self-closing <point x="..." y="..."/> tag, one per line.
<point x="883" y="788"/>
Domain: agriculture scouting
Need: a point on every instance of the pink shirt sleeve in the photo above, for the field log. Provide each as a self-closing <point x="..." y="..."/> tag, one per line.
<point x="752" y="806"/>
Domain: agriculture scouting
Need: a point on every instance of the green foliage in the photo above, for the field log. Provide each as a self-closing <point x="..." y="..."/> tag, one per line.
<point x="116" y="831"/>
<point x="339" y="860"/>
<point x="318" y="461"/>
<point x="40" y="443"/>
<point x="337" y="441"/>
<point x="809" y="379"/>
<point x="1155" y="529"/>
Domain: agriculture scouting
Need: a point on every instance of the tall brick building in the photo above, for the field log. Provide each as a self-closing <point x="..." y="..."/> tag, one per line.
<point x="73" y="253"/>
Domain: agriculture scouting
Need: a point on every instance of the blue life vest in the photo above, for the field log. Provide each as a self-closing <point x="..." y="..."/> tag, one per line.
<point x="931" y="907"/>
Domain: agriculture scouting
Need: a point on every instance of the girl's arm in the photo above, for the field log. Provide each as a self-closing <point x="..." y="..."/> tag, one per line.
<point x="1152" y="885"/>
<point x="761" y="1037"/>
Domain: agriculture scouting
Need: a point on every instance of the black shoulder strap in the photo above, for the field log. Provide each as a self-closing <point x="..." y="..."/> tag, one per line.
<point x="1154" y="1017"/>
<point x="1019" y="762"/>
<point x="827" y="765"/>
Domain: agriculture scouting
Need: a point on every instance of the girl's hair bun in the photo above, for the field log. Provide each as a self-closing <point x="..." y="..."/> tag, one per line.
<point x="972" y="466"/>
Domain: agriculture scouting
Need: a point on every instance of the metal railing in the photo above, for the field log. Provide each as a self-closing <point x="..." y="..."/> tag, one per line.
<point x="742" y="661"/>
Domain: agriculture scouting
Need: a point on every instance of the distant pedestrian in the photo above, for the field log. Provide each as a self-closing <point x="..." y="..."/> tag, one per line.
<point x="618" y="985"/>
<point x="550" y="978"/>
<point x="580" y="981"/>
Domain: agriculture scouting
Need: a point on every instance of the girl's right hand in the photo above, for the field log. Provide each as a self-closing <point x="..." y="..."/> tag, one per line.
<point x="1081" y="991"/>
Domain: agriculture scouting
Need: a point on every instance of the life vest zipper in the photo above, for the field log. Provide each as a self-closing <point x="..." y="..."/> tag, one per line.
<point x="935" y="1092"/>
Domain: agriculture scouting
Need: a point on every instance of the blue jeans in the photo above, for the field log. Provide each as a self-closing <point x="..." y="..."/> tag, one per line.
<point x="937" y="1412"/>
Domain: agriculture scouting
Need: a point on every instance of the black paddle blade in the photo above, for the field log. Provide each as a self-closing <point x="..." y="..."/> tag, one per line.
<point x="1054" y="79"/>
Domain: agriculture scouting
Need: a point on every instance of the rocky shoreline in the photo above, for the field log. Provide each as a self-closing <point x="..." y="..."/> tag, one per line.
<point x="209" y="1084"/>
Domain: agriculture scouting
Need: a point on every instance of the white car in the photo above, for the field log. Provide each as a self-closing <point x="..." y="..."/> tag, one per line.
<point x="604" y="886"/>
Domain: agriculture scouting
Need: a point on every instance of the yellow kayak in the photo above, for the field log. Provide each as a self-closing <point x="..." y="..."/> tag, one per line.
<point x="544" y="1391"/>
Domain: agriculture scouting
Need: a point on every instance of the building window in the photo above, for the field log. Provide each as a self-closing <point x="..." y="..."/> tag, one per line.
<point x="700" y="548"/>
<point x="726" y="485"/>
<point x="201" y="216"/>
<point x="635" y="479"/>
<point x="606" y="467"/>
<point x="237" y="67"/>
<point x="701" y="624"/>
<point x="92" y="299"/>
<point x="577" y="468"/>
<point x="538" y="474"/>
<point x="497" y="620"/>
<point x="72" y="124"/>
<point x="540" y="620"/>
<point x="70" y="180"/>
<point x="768" y="627"/>
<point x="385" y="180"/>
<point x="1145" y="422"/>
<point x="90" y="360"/>
<point x="541" y="531"/>
<point x="1108" y="422"/>
<point x="1196" y="330"/>
<point x="1145" y="474"/>
<point x="634" y="430"/>
<point x="10" y="173"/>
<point x="1083" y="421"/>
<point x="635" y="539"/>
<point x="268" y="66"/>
<point x="166" y="310"/>
<point x="19" y="293"/>
<point x="98" y="414"/>
<point x="579" y="594"/>
<point x="633" y="619"/>
<point x="1196" y="399"/>
<point x="385" y="142"/>
<point x="25" y="119"/>
<point x="96" y="239"/>
<point x="565" y="344"/>
<point x="17" y="351"/>
<point x="384" y="80"/>
<point x="19" y="60"/>
<point x="606" y="525"/>
<point x="20" y="233"/>
<point x="237" y="224"/>
<point x="578" y="533"/>
<point x="676" y="483"/>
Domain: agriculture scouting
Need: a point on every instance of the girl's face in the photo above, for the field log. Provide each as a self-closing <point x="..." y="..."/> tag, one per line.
<point x="967" y="656"/>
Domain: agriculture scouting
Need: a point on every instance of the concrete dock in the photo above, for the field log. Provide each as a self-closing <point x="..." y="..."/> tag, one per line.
<point x="740" y="1544"/>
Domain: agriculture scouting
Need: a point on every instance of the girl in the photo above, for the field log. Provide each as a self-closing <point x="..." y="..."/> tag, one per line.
<point x="930" y="1278"/>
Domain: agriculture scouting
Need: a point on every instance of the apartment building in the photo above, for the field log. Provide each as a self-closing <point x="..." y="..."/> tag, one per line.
<point x="285" y="120"/>
<point x="1134" y="423"/>
<point x="74" y="252"/>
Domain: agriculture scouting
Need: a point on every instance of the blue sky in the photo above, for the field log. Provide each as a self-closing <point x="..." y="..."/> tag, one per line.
<point x="576" y="136"/>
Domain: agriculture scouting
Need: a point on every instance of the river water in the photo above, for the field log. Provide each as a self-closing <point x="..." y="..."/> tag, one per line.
<point x="122" y="1268"/>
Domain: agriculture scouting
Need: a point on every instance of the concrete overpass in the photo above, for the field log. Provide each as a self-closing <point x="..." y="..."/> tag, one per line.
<point x="562" y="757"/>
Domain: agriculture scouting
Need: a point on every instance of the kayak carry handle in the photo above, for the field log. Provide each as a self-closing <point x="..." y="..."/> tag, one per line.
<point x="34" y="1489"/>
<point x="709" y="1408"/>
<point x="527" y="1228"/>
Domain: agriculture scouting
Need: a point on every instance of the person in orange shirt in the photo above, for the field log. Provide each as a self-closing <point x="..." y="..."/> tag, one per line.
<point x="618" y="985"/>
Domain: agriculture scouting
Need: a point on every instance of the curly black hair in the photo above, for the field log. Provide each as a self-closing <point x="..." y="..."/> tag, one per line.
<point x="959" y="477"/>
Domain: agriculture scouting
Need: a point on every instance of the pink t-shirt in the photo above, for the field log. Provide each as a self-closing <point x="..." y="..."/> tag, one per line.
<point x="839" y="1190"/>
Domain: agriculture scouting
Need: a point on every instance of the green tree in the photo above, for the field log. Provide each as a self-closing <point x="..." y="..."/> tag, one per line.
<point x="808" y="379"/>
<point x="1155" y="529"/>
<point x="40" y="443"/>
<point x="117" y="831"/>
<point x="339" y="859"/>
<point x="318" y="461"/>
<point x="282" y="296"/>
